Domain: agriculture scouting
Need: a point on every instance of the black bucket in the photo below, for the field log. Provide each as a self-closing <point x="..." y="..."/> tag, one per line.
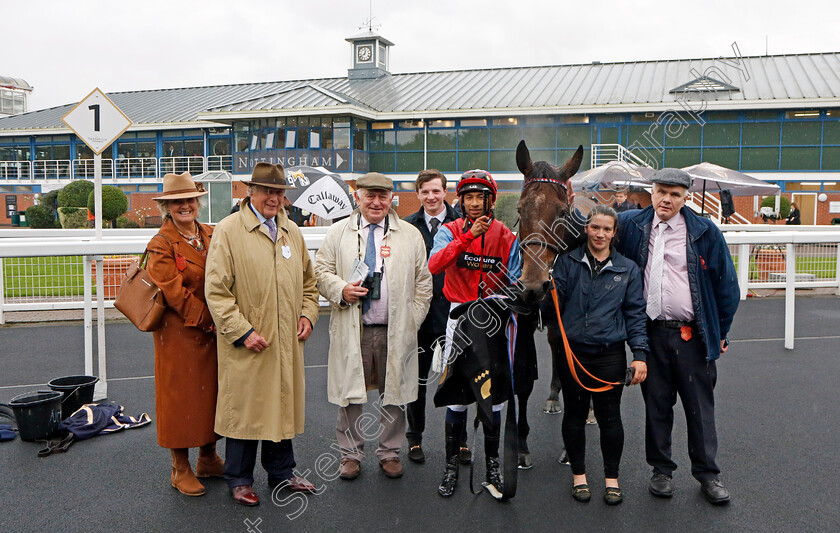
<point x="78" y="390"/>
<point x="37" y="414"/>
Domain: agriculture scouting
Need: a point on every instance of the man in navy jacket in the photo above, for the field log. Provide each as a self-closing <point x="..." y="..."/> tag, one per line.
<point x="434" y="212"/>
<point x="692" y="294"/>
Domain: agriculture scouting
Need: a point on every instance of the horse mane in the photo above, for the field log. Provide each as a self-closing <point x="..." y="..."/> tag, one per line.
<point x="542" y="170"/>
<point x="545" y="170"/>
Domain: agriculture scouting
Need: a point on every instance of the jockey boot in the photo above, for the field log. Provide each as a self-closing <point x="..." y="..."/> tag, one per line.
<point x="491" y="455"/>
<point x="209" y="463"/>
<point x="450" y="474"/>
<point x="183" y="478"/>
<point x="464" y="454"/>
<point x="524" y="454"/>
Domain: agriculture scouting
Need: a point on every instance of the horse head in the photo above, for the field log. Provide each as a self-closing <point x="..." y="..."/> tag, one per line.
<point x="545" y="224"/>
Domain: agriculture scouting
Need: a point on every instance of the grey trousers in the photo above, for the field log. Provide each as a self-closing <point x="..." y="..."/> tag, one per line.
<point x="387" y="422"/>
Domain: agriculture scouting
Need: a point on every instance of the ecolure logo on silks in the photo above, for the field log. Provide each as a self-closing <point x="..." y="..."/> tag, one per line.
<point x="476" y="262"/>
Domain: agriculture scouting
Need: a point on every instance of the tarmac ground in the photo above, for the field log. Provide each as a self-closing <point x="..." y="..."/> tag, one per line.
<point x="777" y="419"/>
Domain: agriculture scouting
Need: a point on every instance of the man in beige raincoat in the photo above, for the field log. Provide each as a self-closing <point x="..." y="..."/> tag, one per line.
<point x="374" y="321"/>
<point x="261" y="291"/>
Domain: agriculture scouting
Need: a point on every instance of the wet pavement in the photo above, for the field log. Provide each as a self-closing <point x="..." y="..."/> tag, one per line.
<point x="777" y="422"/>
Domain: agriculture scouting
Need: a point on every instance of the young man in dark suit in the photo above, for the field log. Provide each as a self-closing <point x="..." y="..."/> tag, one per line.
<point x="433" y="213"/>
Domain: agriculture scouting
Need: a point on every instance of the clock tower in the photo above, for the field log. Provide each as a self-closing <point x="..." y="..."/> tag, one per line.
<point x="369" y="56"/>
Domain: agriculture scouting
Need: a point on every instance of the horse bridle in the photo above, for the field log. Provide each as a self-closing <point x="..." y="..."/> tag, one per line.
<point x="562" y="215"/>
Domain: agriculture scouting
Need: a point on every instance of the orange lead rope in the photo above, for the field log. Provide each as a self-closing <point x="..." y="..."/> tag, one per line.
<point x="570" y="357"/>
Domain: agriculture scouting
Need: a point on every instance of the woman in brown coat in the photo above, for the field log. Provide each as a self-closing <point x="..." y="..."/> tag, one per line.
<point x="185" y="345"/>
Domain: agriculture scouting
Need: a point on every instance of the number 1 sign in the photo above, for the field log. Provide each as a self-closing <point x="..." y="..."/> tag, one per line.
<point x="97" y="121"/>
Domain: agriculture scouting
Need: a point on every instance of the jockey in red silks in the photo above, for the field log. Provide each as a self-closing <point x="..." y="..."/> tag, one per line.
<point x="480" y="256"/>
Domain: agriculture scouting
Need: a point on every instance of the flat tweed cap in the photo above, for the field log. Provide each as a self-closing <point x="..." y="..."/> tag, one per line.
<point x="375" y="180"/>
<point x="672" y="176"/>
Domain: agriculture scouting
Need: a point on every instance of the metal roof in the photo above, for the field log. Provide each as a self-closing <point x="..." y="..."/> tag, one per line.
<point x="780" y="81"/>
<point x="17" y="83"/>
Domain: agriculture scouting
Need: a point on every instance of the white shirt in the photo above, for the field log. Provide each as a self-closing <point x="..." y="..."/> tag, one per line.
<point x="428" y="218"/>
<point x="378" y="312"/>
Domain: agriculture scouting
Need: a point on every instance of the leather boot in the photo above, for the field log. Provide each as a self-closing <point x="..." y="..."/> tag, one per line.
<point x="524" y="454"/>
<point x="491" y="455"/>
<point x="464" y="454"/>
<point x="209" y="463"/>
<point x="450" y="474"/>
<point x="183" y="478"/>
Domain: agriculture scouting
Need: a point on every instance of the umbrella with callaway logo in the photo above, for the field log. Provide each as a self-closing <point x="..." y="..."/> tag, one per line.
<point x="319" y="191"/>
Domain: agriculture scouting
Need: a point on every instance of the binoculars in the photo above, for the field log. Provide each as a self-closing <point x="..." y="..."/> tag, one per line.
<point x="373" y="284"/>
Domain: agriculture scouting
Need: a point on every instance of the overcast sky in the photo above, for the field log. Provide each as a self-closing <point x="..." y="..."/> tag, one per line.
<point x="65" y="49"/>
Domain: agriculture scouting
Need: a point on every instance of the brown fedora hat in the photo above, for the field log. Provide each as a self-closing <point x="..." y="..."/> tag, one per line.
<point x="177" y="186"/>
<point x="268" y="175"/>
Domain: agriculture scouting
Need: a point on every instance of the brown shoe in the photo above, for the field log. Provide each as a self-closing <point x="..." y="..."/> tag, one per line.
<point x="350" y="469"/>
<point x="245" y="495"/>
<point x="182" y="477"/>
<point x="295" y="484"/>
<point x="392" y="467"/>
<point x="209" y="463"/>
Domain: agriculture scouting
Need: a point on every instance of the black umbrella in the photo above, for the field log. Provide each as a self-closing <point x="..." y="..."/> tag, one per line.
<point x="319" y="191"/>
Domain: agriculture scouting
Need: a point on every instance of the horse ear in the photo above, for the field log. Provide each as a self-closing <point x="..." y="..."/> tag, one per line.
<point x="572" y="165"/>
<point x="523" y="159"/>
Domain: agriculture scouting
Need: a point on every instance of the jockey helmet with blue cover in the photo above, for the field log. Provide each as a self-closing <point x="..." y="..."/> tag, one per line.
<point x="476" y="181"/>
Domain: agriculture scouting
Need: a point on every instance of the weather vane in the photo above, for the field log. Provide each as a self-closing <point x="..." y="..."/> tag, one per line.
<point x="369" y="22"/>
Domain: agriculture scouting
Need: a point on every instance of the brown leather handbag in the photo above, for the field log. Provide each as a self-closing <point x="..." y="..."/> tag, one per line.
<point x="139" y="299"/>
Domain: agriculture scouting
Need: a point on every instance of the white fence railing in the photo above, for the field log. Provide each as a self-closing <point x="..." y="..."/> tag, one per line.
<point x="33" y="281"/>
<point x="120" y="169"/>
<point x="604" y="153"/>
<point x="64" y="278"/>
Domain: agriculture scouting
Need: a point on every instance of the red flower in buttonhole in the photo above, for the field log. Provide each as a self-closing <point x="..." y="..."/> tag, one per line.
<point x="702" y="263"/>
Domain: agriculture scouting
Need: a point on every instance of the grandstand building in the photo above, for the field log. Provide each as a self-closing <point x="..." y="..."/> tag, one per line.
<point x="775" y="117"/>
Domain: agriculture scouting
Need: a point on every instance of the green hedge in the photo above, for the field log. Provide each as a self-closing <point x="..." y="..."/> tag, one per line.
<point x="40" y="216"/>
<point x="73" y="217"/>
<point x="506" y="209"/>
<point x="784" y="205"/>
<point x="75" y="194"/>
<point x="114" y="202"/>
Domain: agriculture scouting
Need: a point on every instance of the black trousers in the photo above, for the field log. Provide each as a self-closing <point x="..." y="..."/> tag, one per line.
<point x="676" y="366"/>
<point x="416" y="410"/>
<point x="610" y="365"/>
<point x="278" y="459"/>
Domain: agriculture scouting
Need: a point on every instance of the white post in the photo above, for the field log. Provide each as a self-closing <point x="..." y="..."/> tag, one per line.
<point x="743" y="269"/>
<point x="97" y="194"/>
<point x="101" y="390"/>
<point x="790" y="295"/>
<point x="2" y="291"/>
<point x="425" y="142"/>
<point x="88" y="316"/>
<point x="836" y="275"/>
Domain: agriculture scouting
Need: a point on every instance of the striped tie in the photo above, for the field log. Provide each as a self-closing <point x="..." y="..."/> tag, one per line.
<point x="657" y="264"/>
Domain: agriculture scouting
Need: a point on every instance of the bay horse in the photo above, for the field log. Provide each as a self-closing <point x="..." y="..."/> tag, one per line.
<point x="548" y="228"/>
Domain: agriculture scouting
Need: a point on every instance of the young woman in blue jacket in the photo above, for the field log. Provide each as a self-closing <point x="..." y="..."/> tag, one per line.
<point x="601" y="301"/>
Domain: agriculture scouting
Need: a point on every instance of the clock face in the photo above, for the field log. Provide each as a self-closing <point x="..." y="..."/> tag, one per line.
<point x="364" y="53"/>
